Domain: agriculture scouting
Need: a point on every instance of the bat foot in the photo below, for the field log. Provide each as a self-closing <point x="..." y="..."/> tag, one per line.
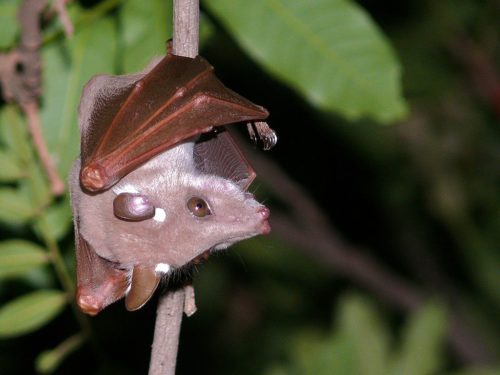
<point x="260" y="133"/>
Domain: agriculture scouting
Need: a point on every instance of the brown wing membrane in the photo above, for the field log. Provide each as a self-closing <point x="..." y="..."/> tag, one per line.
<point x="217" y="153"/>
<point x="100" y="282"/>
<point x="178" y="99"/>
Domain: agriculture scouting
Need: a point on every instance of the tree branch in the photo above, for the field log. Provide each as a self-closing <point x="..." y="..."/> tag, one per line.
<point x="172" y="304"/>
<point x="20" y="78"/>
<point x="167" y="331"/>
<point x="186" y="27"/>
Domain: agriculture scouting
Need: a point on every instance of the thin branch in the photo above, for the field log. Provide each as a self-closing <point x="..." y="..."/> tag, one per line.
<point x="167" y="331"/>
<point x="60" y="6"/>
<point x="172" y="304"/>
<point x="20" y="78"/>
<point x="33" y="116"/>
<point x="186" y="27"/>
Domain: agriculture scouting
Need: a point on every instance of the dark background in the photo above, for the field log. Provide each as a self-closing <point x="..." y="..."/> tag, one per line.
<point x="419" y="199"/>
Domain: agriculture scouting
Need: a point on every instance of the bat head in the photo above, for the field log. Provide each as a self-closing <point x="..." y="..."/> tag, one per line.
<point x="163" y="215"/>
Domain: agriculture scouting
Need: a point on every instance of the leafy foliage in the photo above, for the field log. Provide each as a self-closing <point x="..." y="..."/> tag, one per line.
<point x="18" y="256"/>
<point x="362" y="344"/>
<point x="9" y="29"/>
<point x="331" y="52"/>
<point x="30" y="312"/>
<point x="423" y="195"/>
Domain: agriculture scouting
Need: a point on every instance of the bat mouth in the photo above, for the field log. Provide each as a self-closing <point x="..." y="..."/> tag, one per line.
<point x="265" y="228"/>
<point x="264" y="213"/>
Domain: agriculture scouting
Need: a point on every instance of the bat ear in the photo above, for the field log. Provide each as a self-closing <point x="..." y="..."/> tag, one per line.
<point x="217" y="153"/>
<point x="144" y="283"/>
<point x="133" y="207"/>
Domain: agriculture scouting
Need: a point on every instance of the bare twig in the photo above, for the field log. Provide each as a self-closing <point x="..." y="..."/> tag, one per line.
<point x="167" y="330"/>
<point x="173" y="303"/>
<point x="32" y="114"/>
<point x="60" y="6"/>
<point x="186" y="27"/>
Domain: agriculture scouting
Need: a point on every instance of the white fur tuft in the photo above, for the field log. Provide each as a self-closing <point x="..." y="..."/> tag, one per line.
<point x="162" y="268"/>
<point x="160" y="215"/>
<point x="125" y="188"/>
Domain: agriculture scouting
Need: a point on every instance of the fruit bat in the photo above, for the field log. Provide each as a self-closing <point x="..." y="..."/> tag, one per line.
<point x="159" y="182"/>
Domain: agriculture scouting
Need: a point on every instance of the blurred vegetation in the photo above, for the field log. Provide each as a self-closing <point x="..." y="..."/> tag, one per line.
<point x="419" y="197"/>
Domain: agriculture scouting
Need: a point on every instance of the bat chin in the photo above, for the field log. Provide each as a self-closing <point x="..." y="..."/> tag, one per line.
<point x="265" y="228"/>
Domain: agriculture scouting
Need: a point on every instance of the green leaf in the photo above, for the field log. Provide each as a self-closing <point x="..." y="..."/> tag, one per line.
<point x="277" y="370"/>
<point x="478" y="371"/>
<point x="8" y="20"/>
<point x="48" y="361"/>
<point x="423" y="342"/>
<point x="9" y="168"/>
<point x="30" y="312"/>
<point x="36" y="188"/>
<point x="360" y="324"/>
<point x="14" y="133"/>
<point x="15" y="208"/>
<point x="328" y="50"/>
<point x="57" y="220"/>
<point x="360" y="345"/>
<point x="146" y="26"/>
<point x="207" y="29"/>
<point x="18" y="257"/>
<point x="331" y="356"/>
<point x="68" y="65"/>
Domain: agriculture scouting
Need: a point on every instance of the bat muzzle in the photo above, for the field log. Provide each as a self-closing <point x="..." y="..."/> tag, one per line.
<point x="264" y="212"/>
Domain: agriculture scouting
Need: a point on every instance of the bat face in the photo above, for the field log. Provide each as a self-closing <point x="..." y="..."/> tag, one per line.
<point x="193" y="213"/>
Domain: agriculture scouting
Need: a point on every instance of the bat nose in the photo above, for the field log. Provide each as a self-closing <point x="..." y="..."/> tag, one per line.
<point x="264" y="213"/>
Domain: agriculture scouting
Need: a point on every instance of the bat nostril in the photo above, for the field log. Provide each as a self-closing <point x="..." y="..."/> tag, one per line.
<point x="264" y="213"/>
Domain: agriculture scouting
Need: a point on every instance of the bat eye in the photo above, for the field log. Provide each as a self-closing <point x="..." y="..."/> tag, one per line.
<point x="133" y="207"/>
<point x="198" y="207"/>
